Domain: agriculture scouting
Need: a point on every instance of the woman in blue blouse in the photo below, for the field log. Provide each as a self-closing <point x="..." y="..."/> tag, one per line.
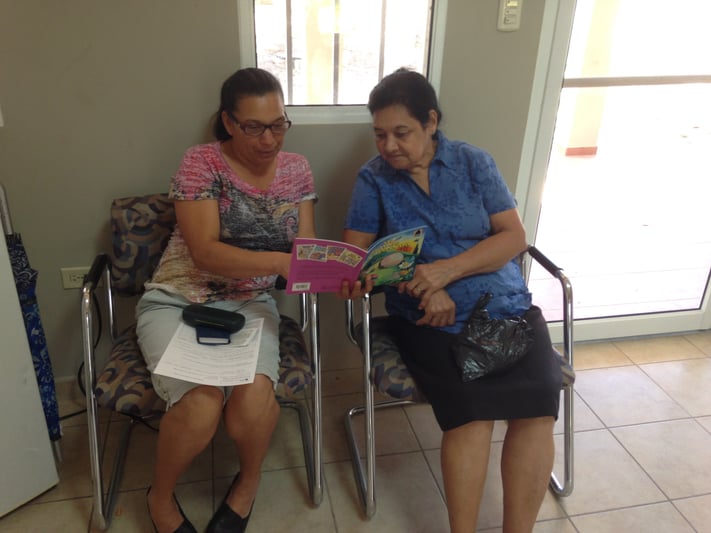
<point x="472" y="239"/>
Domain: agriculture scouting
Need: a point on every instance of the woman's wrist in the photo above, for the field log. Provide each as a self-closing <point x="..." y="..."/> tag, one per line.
<point x="280" y="262"/>
<point x="449" y="270"/>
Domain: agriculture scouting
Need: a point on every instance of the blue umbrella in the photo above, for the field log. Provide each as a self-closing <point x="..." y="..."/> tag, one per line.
<point x="26" y="283"/>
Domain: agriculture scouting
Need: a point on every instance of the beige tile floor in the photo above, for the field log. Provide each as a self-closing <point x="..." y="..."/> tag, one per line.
<point x="642" y="458"/>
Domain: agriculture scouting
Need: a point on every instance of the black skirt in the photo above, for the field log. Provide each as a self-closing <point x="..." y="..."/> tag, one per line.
<point x="531" y="388"/>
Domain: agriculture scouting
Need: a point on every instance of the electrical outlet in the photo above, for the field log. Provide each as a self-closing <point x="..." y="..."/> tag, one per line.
<point x="73" y="277"/>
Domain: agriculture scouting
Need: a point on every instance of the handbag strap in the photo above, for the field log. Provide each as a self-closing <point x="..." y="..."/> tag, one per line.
<point x="483" y="301"/>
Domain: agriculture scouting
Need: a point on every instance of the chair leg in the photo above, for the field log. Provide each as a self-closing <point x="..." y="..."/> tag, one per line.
<point x="311" y="428"/>
<point x="104" y="506"/>
<point x="315" y="337"/>
<point x="365" y="475"/>
<point x="313" y="474"/>
<point x="566" y="488"/>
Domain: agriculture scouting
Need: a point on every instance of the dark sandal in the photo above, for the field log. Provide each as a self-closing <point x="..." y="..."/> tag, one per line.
<point x="225" y="520"/>
<point x="185" y="527"/>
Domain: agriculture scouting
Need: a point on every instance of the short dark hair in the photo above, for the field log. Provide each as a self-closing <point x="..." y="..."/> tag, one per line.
<point x="408" y="88"/>
<point x="250" y="81"/>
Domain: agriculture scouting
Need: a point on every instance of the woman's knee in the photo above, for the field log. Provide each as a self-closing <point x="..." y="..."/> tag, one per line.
<point x="476" y="431"/>
<point x="538" y="429"/>
<point x="253" y="404"/>
<point x="539" y="423"/>
<point x="474" y="426"/>
<point x="200" y="407"/>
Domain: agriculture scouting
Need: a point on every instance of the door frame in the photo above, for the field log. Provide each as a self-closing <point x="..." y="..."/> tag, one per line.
<point x="548" y="79"/>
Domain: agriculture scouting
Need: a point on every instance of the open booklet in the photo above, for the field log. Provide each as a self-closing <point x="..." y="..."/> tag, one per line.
<point x="321" y="265"/>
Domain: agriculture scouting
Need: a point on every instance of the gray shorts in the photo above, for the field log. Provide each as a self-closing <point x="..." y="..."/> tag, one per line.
<point x="158" y="315"/>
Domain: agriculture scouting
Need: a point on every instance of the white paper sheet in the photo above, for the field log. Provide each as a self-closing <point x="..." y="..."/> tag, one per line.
<point x="222" y="364"/>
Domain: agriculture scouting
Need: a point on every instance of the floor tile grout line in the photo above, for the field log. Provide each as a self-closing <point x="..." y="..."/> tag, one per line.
<point x="683" y="516"/>
<point x="623" y="508"/>
<point x="638" y="366"/>
<point x="585" y="402"/>
<point x="331" y="501"/>
<point x="641" y="467"/>
<point x="663" y="389"/>
<point x="637" y="424"/>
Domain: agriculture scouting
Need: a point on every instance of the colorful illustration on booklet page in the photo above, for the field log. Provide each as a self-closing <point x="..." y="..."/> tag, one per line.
<point x="394" y="260"/>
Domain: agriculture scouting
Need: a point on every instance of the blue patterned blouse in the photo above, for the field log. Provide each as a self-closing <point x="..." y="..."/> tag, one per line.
<point x="466" y="188"/>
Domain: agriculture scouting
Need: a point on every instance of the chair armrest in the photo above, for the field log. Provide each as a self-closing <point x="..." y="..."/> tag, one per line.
<point x="304" y="312"/>
<point x="100" y="267"/>
<point x="567" y="289"/>
<point x="280" y="285"/>
<point x="350" y="322"/>
<point x="97" y="269"/>
<point x="546" y="263"/>
<point x="350" y="318"/>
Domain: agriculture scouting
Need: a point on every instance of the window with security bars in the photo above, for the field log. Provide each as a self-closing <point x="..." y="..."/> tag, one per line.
<point x="332" y="52"/>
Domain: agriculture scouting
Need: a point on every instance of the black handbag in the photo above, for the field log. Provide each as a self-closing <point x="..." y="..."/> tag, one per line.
<point x="489" y="345"/>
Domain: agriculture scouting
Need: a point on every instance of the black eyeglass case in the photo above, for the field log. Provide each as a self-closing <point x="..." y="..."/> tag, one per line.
<point x="197" y="315"/>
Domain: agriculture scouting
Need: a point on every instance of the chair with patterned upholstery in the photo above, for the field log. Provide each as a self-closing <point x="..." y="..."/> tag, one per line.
<point x="385" y="372"/>
<point x="141" y="227"/>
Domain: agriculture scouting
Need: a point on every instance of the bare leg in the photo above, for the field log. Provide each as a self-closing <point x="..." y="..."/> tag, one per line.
<point x="465" y="458"/>
<point x="251" y="415"/>
<point x="185" y="430"/>
<point x="526" y="465"/>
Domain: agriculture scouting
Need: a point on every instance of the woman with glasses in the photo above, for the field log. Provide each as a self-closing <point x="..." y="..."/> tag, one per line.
<point x="239" y="202"/>
<point x="473" y="235"/>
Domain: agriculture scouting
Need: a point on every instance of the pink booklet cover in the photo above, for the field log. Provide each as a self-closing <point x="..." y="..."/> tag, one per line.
<point x="321" y="265"/>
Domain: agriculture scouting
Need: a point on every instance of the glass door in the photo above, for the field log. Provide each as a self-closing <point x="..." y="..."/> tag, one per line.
<point x="621" y="200"/>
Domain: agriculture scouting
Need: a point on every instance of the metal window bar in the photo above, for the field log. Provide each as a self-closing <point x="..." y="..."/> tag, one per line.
<point x="289" y="57"/>
<point x="428" y="39"/>
<point x="381" y="55"/>
<point x="336" y="74"/>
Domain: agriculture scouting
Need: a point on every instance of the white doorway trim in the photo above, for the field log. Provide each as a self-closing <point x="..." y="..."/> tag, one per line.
<point x="548" y="80"/>
<point x="543" y="107"/>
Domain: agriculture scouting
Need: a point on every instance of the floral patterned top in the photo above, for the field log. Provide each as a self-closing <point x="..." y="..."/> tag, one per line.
<point x="250" y="218"/>
<point x="466" y="188"/>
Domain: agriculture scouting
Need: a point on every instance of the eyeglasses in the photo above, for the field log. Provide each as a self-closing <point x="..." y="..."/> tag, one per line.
<point x="255" y="129"/>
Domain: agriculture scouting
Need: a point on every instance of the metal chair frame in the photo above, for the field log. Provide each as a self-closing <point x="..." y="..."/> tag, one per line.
<point x="365" y="473"/>
<point x="104" y="498"/>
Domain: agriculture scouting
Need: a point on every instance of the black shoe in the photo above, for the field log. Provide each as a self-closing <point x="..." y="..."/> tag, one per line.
<point x="185" y="527"/>
<point x="225" y="520"/>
